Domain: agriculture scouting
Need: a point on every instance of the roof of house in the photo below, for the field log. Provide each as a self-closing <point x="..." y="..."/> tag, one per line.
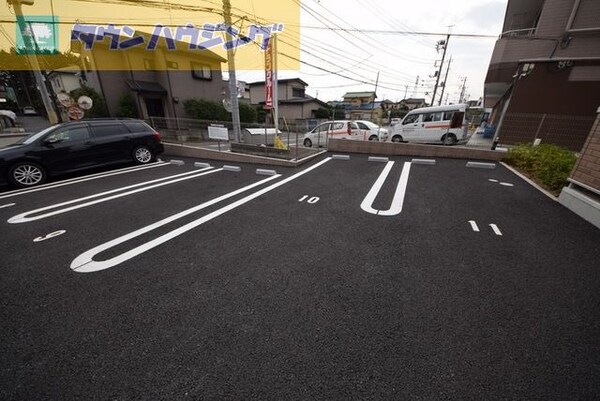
<point x="281" y="81"/>
<point x="414" y="100"/>
<point x="359" y="94"/>
<point x="302" y="100"/>
<point x="69" y="70"/>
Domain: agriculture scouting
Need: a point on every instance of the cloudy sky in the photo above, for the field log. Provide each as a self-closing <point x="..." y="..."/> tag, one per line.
<point x="399" y="58"/>
<point x="338" y="53"/>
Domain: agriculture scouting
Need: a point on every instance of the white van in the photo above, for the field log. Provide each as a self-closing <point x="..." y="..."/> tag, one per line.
<point x="443" y="124"/>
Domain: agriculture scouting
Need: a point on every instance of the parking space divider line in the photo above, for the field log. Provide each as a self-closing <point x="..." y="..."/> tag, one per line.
<point x="81" y="179"/>
<point x="22" y="218"/>
<point x="398" y="200"/>
<point x="84" y="263"/>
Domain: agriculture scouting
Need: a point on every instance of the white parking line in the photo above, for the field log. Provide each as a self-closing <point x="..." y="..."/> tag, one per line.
<point x="7" y="205"/>
<point x="507" y="184"/>
<point x="81" y="179"/>
<point x="22" y="218"/>
<point x="84" y="263"/>
<point x="397" y="202"/>
<point x="496" y="229"/>
<point x="474" y="226"/>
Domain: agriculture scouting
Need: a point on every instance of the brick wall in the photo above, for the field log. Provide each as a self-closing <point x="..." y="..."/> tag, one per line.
<point x="587" y="169"/>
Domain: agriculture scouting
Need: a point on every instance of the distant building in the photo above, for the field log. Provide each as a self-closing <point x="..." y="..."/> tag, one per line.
<point x="362" y="106"/>
<point x="294" y="103"/>
<point x="159" y="81"/>
<point x="65" y="79"/>
<point x="412" y="103"/>
<point x="543" y="80"/>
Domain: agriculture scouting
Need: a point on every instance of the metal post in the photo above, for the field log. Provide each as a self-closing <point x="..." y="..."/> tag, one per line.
<point x="275" y="86"/>
<point x="35" y="66"/>
<point x="235" y="106"/>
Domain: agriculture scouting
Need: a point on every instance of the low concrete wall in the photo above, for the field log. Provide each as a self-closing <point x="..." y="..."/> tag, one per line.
<point x="410" y="149"/>
<point x="199" y="153"/>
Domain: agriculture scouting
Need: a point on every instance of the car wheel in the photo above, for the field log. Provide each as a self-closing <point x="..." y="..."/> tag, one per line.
<point x="373" y="138"/>
<point x="449" y="139"/>
<point x="143" y="154"/>
<point x="27" y="174"/>
<point x="397" y="139"/>
<point x="308" y="143"/>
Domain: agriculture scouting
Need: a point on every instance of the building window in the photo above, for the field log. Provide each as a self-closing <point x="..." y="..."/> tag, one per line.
<point x="201" y="71"/>
<point x="298" y="92"/>
<point x="149" y="65"/>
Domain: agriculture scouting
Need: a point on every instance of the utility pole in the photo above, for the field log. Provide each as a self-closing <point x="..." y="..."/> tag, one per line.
<point x="375" y="97"/>
<point x="444" y="44"/>
<point x="32" y="57"/>
<point x="405" y="91"/>
<point x="462" y="91"/>
<point x="445" y="82"/>
<point x="235" y="106"/>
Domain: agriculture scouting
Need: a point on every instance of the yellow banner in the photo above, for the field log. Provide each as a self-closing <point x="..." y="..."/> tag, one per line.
<point x="147" y="34"/>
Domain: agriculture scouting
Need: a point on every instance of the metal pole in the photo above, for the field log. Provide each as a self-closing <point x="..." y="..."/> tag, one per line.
<point x="35" y="66"/>
<point x="437" y="81"/>
<point x="235" y="106"/>
<point x="375" y="97"/>
<point x="275" y="86"/>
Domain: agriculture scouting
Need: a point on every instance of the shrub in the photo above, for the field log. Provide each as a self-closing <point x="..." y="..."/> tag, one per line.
<point x="550" y="165"/>
<point x="127" y="107"/>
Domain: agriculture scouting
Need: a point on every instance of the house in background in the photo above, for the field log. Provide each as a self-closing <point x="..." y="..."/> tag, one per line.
<point x="543" y="81"/>
<point x="65" y="79"/>
<point x="412" y="104"/>
<point x="363" y="106"/>
<point x="159" y="81"/>
<point x="294" y="103"/>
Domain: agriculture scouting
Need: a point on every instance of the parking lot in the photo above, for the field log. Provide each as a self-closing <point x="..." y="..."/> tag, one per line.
<point x="342" y="279"/>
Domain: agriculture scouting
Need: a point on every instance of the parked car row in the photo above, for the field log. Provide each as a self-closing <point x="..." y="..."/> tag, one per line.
<point x="76" y="146"/>
<point x="446" y="125"/>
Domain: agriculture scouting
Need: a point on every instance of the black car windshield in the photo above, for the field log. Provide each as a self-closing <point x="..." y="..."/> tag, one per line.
<point x="34" y="137"/>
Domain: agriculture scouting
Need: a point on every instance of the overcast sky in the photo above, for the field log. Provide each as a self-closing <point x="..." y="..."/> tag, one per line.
<point x="399" y="58"/>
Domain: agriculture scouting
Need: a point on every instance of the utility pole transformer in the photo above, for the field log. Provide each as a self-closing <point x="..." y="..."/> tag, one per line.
<point x="233" y="92"/>
<point x="33" y="62"/>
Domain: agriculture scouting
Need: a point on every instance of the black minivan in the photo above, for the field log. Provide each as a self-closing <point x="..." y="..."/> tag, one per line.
<point x="75" y="146"/>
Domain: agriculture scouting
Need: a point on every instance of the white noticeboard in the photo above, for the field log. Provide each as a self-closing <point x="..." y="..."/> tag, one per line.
<point x="218" y="133"/>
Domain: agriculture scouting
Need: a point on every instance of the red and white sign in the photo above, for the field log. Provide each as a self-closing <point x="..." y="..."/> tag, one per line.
<point x="75" y="113"/>
<point x="269" y="77"/>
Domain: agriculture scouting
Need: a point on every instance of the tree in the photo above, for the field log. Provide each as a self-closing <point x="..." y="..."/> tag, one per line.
<point x="322" y="113"/>
<point x="99" y="108"/>
<point x="203" y="109"/>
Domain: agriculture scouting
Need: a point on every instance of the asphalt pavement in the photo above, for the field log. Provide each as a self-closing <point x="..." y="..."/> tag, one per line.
<point x="177" y="282"/>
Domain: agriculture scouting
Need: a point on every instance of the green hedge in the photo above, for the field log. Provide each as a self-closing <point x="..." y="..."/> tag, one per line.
<point x="549" y="165"/>
<point x="214" y="111"/>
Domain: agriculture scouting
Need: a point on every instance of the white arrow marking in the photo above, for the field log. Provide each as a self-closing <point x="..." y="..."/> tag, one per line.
<point x="397" y="202"/>
<point x="51" y="235"/>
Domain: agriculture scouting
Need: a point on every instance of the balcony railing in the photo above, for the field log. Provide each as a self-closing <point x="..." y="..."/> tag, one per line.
<point x="518" y="33"/>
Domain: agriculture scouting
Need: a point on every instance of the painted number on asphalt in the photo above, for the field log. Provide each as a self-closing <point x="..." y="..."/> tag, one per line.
<point x="49" y="236"/>
<point x="311" y="201"/>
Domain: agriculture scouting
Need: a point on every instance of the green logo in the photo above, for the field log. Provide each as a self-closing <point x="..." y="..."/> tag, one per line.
<point x="37" y="34"/>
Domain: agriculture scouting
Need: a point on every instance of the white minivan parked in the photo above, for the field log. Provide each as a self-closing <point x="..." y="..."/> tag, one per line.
<point x="443" y="124"/>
